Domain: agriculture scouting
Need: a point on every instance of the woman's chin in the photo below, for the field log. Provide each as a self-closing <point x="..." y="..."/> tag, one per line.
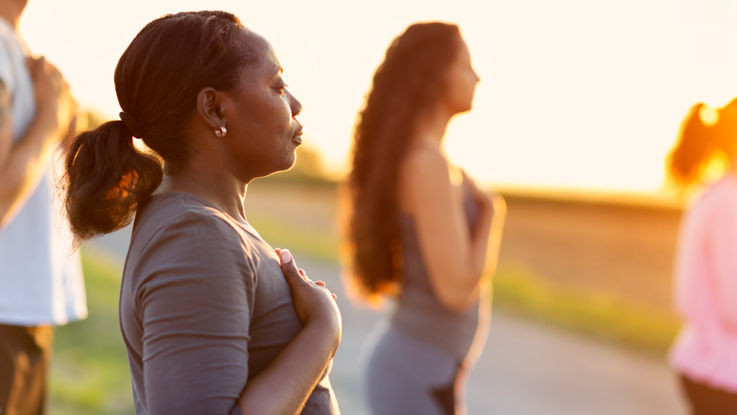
<point x="285" y="164"/>
<point x="291" y="160"/>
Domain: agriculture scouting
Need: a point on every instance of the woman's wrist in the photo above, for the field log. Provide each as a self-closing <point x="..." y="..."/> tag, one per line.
<point x="327" y="330"/>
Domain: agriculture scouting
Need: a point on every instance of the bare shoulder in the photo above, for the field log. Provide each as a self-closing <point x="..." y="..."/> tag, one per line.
<point x="424" y="177"/>
<point x="424" y="164"/>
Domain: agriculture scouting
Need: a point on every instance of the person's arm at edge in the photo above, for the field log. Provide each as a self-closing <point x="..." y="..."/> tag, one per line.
<point x="22" y="163"/>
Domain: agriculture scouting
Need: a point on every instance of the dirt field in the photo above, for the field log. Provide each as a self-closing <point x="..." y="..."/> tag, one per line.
<point x="615" y="246"/>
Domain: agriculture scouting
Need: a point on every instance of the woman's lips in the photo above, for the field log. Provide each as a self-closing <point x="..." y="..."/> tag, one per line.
<point x="297" y="137"/>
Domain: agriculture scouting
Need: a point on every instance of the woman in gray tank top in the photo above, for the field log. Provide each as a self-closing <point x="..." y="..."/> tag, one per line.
<point x="214" y="320"/>
<point x="419" y="229"/>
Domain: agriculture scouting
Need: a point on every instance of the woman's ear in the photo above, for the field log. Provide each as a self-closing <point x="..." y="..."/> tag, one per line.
<point x="210" y="107"/>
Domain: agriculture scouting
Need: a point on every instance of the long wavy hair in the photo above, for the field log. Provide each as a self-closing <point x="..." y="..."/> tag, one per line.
<point x="157" y="80"/>
<point x="407" y="86"/>
<point x="703" y="141"/>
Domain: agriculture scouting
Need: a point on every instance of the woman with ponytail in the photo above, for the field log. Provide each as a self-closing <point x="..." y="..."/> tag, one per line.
<point x="214" y="320"/>
<point x="705" y="351"/>
<point x="418" y="228"/>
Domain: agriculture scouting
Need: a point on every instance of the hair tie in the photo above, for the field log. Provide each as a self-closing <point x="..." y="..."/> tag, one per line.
<point x="131" y="124"/>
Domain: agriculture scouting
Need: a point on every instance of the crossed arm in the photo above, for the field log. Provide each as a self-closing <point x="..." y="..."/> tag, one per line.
<point x="457" y="258"/>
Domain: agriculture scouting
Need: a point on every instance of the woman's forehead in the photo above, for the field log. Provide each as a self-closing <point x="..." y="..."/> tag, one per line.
<point x="265" y="60"/>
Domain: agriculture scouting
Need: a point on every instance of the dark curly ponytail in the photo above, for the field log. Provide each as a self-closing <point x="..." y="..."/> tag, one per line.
<point x="108" y="178"/>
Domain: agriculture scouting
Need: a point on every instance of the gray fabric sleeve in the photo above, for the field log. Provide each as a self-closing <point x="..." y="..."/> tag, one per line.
<point x="195" y="302"/>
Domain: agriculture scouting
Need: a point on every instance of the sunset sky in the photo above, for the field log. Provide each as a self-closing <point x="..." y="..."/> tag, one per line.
<point x="574" y="94"/>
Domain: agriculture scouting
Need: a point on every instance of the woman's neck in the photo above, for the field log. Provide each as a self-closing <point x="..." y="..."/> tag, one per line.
<point x="226" y="193"/>
<point x="431" y="129"/>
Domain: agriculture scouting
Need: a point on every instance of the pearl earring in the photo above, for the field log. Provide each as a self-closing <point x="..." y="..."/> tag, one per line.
<point x="220" y="132"/>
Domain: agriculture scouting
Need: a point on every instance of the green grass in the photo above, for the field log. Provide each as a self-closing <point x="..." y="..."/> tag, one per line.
<point x="288" y="235"/>
<point x="597" y="314"/>
<point x="89" y="373"/>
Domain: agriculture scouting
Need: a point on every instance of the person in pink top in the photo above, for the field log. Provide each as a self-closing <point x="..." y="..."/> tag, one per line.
<point x="705" y="351"/>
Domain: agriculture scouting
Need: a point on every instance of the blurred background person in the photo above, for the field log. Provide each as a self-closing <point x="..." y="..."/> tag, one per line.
<point x="419" y="228"/>
<point x="40" y="276"/>
<point x="705" y="351"/>
<point x="214" y="322"/>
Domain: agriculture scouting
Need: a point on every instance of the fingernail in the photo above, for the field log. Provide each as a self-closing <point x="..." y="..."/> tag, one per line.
<point x="286" y="257"/>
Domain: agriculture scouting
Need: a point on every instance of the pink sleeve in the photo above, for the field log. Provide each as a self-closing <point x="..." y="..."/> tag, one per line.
<point x="723" y="234"/>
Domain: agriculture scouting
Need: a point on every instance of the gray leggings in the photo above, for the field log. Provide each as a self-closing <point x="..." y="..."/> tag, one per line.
<point x="405" y="376"/>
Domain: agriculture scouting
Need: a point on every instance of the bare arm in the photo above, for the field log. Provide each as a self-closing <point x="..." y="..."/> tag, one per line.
<point x="498" y="212"/>
<point x="456" y="257"/>
<point x="22" y="163"/>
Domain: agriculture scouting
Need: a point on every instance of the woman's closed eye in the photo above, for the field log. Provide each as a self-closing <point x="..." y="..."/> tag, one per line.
<point x="281" y="87"/>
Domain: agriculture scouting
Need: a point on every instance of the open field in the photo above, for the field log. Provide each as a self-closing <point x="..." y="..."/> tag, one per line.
<point x="596" y="264"/>
<point x="599" y="244"/>
<point x="617" y="246"/>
